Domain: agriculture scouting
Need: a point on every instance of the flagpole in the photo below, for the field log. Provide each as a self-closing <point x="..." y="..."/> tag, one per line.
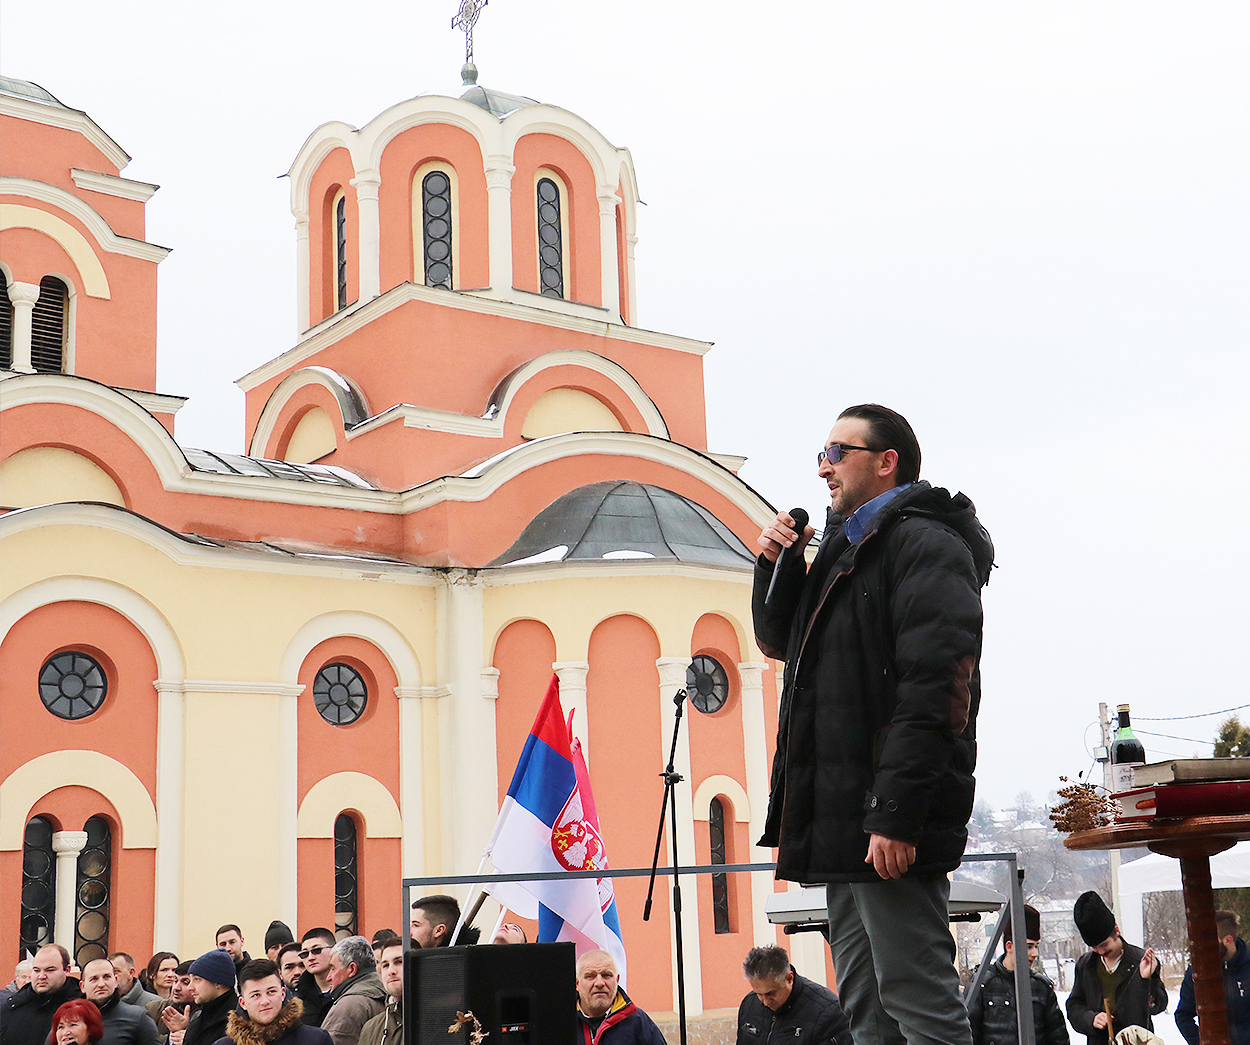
<point x="467" y="915"/>
<point x="671" y="779"/>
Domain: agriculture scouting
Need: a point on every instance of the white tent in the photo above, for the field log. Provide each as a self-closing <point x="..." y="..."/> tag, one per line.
<point x="1160" y="874"/>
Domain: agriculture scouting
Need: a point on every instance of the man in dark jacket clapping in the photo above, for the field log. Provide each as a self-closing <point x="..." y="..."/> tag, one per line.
<point x="872" y="782"/>
<point x="1112" y="975"/>
<point x="784" y="1006"/>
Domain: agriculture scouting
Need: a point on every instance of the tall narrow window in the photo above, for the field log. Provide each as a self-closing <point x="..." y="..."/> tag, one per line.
<point x="6" y="324"/>
<point x="436" y="228"/>
<point x="95" y="876"/>
<point x="47" y="335"/>
<point x="550" y="240"/>
<point x="720" y="882"/>
<point x="346" y="886"/>
<point x="38" y="886"/>
<point x="340" y="252"/>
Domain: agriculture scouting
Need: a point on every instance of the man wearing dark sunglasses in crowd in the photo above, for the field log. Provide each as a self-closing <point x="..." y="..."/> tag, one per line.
<point x="872" y="781"/>
<point x="314" y="986"/>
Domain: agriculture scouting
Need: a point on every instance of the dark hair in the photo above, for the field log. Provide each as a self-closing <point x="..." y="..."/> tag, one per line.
<point x="228" y="928"/>
<point x="1032" y="925"/>
<point x="385" y="938"/>
<point x="889" y="430"/>
<point x="184" y="968"/>
<point x="257" y="969"/>
<point x="319" y="933"/>
<point x="154" y="965"/>
<point x="440" y="909"/>
<point x="288" y="947"/>
<point x="766" y="963"/>
<point x="65" y="963"/>
<point x="81" y="1009"/>
<point x="1227" y="923"/>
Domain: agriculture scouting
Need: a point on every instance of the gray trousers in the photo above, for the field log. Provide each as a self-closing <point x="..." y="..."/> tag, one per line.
<point x="894" y="958"/>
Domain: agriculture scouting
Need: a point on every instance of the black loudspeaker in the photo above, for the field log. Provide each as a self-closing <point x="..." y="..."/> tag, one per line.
<point x="521" y="993"/>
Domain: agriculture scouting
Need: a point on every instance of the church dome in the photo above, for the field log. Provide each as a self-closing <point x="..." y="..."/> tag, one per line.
<point x="622" y="521"/>
<point x="26" y="89"/>
<point x="498" y="103"/>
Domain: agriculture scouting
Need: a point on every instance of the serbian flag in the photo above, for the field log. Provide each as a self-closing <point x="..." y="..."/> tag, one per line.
<point x="548" y="823"/>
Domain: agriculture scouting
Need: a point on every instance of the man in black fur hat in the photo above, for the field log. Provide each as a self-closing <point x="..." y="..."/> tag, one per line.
<point x="1116" y="985"/>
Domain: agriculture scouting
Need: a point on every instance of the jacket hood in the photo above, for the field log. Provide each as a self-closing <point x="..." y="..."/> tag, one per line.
<point x="242" y="1030"/>
<point x="954" y="511"/>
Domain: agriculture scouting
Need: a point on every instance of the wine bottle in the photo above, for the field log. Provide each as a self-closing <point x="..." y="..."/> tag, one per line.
<point x="1126" y="752"/>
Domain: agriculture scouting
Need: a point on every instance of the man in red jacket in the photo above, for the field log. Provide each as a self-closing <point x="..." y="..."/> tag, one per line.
<point x="605" y="1013"/>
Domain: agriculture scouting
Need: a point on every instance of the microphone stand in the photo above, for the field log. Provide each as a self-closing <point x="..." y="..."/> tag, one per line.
<point x="671" y="779"/>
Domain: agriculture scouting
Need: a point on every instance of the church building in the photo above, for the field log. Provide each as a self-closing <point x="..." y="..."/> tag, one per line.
<point x="240" y="686"/>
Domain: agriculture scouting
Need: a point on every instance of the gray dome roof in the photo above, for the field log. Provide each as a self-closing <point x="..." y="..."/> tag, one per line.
<point x="26" y="89"/>
<point x="497" y="103"/>
<point x="622" y="521"/>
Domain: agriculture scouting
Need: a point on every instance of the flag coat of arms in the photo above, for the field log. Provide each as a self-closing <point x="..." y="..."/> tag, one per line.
<point x="548" y="823"/>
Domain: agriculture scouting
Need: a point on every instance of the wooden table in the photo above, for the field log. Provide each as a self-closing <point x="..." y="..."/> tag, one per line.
<point x="1193" y="841"/>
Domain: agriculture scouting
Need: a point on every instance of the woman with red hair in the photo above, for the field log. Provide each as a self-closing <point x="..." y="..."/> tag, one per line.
<point x="76" y="1022"/>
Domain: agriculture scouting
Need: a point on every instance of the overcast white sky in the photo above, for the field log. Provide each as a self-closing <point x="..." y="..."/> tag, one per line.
<point x="1025" y="225"/>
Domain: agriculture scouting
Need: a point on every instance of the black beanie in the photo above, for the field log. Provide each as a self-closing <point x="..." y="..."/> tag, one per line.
<point x="1093" y="918"/>
<point x="279" y="933"/>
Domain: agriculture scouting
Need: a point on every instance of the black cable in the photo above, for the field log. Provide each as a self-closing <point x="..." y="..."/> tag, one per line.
<point x="1202" y="714"/>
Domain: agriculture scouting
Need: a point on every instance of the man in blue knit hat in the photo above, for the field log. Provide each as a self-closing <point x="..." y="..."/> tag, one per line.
<point x="212" y="988"/>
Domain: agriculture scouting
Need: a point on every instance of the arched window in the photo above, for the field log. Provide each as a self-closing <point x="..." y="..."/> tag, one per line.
<point x="6" y="324"/>
<point x="720" y="882"/>
<point x="346" y="878"/>
<point x="38" y="885"/>
<point x="48" y="326"/>
<point x="550" y="239"/>
<point x="436" y="228"/>
<point x="340" y="251"/>
<point x="95" y="877"/>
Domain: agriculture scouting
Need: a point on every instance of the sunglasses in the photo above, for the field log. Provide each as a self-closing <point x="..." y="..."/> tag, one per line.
<point x="313" y="951"/>
<point x="834" y="453"/>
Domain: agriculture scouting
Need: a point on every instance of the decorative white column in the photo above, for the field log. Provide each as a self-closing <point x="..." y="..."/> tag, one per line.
<point x="411" y="781"/>
<point x="672" y="678"/>
<point x="755" y="754"/>
<point x="608" y="201"/>
<point x="23" y="296"/>
<point x="499" y="171"/>
<point x="303" y="272"/>
<point x="471" y="775"/>
<point x="631" y="284"/>
<point x="288" y="801"/>
<point x="366" y="184"/>
<point x="170" y="808"/>
<point x="572" y="675"/>
<point x="67" y="845"/>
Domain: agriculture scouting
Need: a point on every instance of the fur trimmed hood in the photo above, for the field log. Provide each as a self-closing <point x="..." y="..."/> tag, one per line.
<point x="243" y="1031"/>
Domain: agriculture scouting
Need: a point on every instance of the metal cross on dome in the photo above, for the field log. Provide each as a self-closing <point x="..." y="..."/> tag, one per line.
<point x="466" y="18"/>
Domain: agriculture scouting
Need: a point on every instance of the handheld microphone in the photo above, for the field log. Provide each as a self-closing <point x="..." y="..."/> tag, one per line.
<point x="799" y="515"/>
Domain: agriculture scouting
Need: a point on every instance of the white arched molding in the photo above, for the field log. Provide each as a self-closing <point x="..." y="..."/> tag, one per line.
<point x="331" y="795"/>
<point x="560" y="123"/>
<point x="672" y="671"/>
<point x="566" y="255"/>
<point x="351" y="402"/>
<point x="77" y="208"/>
<point x="721" y="785"/>
<point x="317" y="146"/>
<point x="171" y="671"/>
<point x="755" y="756"/>
<point x="417" y="210"/>
<point x="27" y="784"/>
<point x="351" y="623"/>
<point x="95" y="283"/>
<point x="506" y="390"/>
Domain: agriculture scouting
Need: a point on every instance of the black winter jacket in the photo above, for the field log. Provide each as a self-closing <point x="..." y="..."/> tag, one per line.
<point x="992" y="1012"/>
<point x="1236" y="1000"/>
<point x="1136" y="1000"/>
<point x="810" y="1014"/>
<point x="125" y="1024"/>
<point x="877" y="729"/>
<point x="26" y="1018"/>
<point x="316" y="1004"/>
<point x="208" y="1021"/>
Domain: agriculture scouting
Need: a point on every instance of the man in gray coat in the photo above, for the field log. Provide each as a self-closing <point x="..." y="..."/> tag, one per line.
<point x="356" y="994"/>
<point x="124" y="1024"/>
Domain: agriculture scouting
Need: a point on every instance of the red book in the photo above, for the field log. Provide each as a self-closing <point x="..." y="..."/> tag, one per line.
<point x="1213" y="798"/>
